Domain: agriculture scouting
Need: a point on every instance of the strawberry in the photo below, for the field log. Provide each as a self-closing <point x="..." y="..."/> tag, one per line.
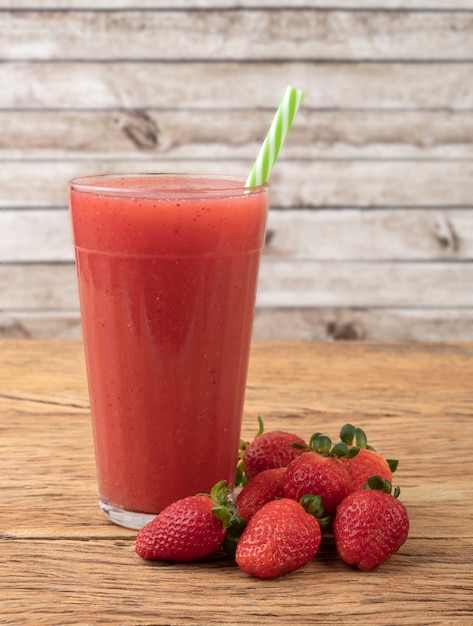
<point x="276" y="448"/>
<point x="188" y="529"/>
<point x="367" y="462"/>
<point x="370" y="525"/>
<point x="280" y="538"/>
<point x="264" y="487"/>
<point x="319" y="471"/>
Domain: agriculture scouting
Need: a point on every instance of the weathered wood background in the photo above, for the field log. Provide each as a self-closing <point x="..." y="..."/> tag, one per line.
<point x="371" y="228"/>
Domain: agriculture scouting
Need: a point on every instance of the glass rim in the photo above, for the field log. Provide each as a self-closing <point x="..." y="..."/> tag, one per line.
<point x="97" y="184"/>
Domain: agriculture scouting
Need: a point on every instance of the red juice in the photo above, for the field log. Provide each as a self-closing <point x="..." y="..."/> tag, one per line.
<point x="167" y="269"/>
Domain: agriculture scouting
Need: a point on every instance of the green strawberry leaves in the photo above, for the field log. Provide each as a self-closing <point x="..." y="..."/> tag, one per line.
<point x="313" y="505"/>
<point x="377" y="483"/>
<point x="226" y="510"/>
<point x="350" y="434"/>
<point x="323" y="445"/>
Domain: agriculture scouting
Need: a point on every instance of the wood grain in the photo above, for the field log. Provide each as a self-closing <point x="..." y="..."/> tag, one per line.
<point x="411" y="323"/>
<point x="281" y="283"/>
<point x="377" y="169"/>
<point x="218" y="85"/>
<point x="177" y="35"/>
<point x="448" y="5"/>
<point x="327" y="234"/>
<point x="285" y="323"/>
<point x="138" y="593"/>
<point x="297" y="183"/>
<point x="41" y="324"/>
<point x="62" y="563"/>
<point x="173" y="134"/>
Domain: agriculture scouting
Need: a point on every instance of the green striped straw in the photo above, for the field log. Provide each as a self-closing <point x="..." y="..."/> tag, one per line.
<point x="275" y="138"/>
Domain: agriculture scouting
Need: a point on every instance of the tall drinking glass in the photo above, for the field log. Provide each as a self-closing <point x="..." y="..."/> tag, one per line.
<point x="167" y="269"/>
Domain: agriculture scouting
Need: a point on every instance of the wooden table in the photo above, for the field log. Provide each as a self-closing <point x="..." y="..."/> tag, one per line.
<point x="61" y="562"/>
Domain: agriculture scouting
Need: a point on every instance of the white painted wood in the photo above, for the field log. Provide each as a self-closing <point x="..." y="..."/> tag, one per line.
<point x="234" y="134"/>
<point x="299" y="234"/>
<point x="40" y="325"/>
<point x="365" y="284"/>
<point x="281" y="284"/>
<point x="294" y="183"/>
<point x="370" y="235"/>
<point x="329" y="324"/>
<point x="177" y="35"/>
<point x="212" y="4"/>
<point x="220" y="85"/>
<point x="303" y="324"/>
<point x="374" y="235"/>
<point x="35" y="236"/>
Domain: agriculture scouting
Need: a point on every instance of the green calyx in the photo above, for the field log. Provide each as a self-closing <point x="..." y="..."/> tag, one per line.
<point x="233" y="535"/>
<point x="323" y="445"/>
<point x="220" y="492"/>
<point x="350" y="434"/>
<point x="376" y="483"/>
<point x="226" y="510"/>
<point x="313" y="505"/>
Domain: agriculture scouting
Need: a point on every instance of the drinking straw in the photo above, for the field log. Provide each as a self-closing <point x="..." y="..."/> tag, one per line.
<point x="275" y="137"/>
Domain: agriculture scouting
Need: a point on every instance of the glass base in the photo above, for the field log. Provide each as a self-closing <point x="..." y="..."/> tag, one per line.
<point x="128" y="519"/>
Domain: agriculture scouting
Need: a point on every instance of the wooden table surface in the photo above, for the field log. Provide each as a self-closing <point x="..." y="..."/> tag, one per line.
<point x="62" y="562"/>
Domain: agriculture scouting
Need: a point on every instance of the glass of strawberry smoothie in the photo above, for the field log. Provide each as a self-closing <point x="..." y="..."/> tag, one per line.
<point x="167" y="270"/>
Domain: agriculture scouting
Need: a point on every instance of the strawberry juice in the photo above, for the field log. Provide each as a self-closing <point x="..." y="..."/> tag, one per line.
<point x="167" y="269"/>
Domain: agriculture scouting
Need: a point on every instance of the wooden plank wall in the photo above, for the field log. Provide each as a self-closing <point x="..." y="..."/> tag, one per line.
<point x="370" y="234"/>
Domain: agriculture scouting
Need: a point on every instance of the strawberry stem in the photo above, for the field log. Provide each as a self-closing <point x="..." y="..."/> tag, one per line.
<point x="240" y="476"/>
<point x="260" y="426"/>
